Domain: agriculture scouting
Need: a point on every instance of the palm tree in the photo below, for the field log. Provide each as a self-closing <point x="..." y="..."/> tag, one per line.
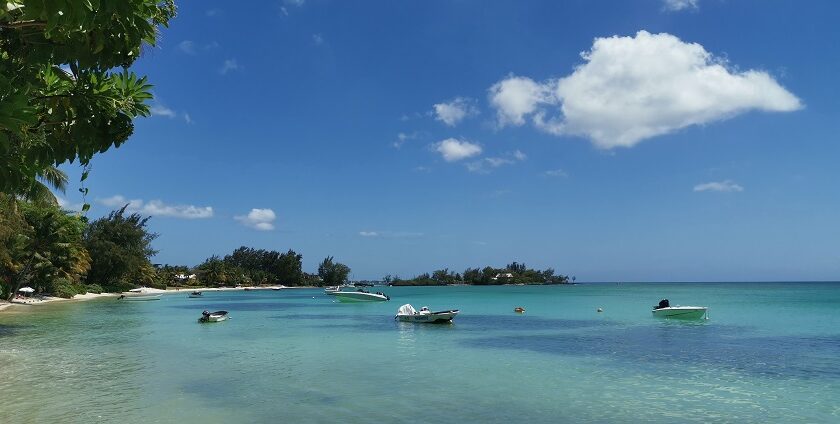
<point x="39" y="191"/>
<point x="49" y="248"/>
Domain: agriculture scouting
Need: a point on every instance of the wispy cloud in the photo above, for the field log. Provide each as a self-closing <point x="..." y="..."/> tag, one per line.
<point x="630" y="89"/>
<point x="402" y="138"/>
<point x="391" y="234"/>
<point x="454" y="150"/>
<point x="212" y="12"/>
<point x="187" y="46"/>
<point x="677" y="5"/>
<point x="228" y="66"/>
<point x="188" y="118"/>
<point x="258" y="219"/>
<point x="484" y="165"/>
<point x="454" y="111"/>
<point x="68" y="205"/>
<point x="556" y="173"/>
<point x="727" y="186"/>
<point x="158" y="109"/>
<point x="157" y="208"/>
<point x="318" y="39"/>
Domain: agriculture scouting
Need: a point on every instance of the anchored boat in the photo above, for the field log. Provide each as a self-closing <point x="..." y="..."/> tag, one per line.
<point x="407" y="313"/>
<point x="213" y="316"/>
<point x="665" y="310"/>
<point x="359" y="296"/>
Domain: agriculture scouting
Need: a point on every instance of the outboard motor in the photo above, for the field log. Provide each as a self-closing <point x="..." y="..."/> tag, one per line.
<point x="663" y="304"/>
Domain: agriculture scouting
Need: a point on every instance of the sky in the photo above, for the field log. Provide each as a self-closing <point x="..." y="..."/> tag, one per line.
<point x="648" y="140"/>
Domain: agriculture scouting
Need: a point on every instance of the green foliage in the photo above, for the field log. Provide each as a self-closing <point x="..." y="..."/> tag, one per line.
<point x="247" y="265"/>
<point x="39" y="244"/>
<point x="61" y="98"/>
<point x="333" y="273"/>
<point x="65" y="288"/>
<point x="93" y="288"/>
<point x="120" y="247"/>
<point x="513" y="273"/>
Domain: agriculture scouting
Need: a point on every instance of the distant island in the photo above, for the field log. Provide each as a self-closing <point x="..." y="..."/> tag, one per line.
<point x="513" y="273"/>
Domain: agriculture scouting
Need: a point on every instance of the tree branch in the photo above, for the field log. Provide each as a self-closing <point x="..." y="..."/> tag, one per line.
<point x="24" y="24"/>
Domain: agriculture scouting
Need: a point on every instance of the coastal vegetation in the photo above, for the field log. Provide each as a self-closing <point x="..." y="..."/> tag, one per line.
<point x="513" y="273"/>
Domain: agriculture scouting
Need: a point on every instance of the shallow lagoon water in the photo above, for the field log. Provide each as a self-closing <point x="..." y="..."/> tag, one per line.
<point x="770" y="352"/>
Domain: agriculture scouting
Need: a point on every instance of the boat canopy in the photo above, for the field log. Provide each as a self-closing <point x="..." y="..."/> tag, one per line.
<point x="406" y="309"/>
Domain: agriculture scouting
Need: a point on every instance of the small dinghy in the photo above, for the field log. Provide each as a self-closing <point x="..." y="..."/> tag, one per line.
<point x="195" y="294"/>
<point x="407" y="313"/>
<point x="213" y="316"/>
<point x="665" y="310"/>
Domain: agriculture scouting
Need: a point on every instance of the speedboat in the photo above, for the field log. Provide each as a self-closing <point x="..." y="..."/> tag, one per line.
<point x="141" y="294"/>
<point x="665" y="310"/>
<point x="407" y="313"/>
<point x="278" y="288"/>
<point x="359" y="296"/>
<point x="213" y="316"/>
<point x="139" y="297"/>
<point x="195" y="294"/>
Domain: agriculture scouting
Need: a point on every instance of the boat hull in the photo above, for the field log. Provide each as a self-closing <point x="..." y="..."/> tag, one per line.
<point x="141" y="297"/>
<point x="351" y="297"/>
<point x="217" y="316"/>
<point x="681" y="312"/>
<point x="431" y="318"/>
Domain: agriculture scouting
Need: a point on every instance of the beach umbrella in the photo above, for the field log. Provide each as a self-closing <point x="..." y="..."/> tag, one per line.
<point x="27" y="290"/>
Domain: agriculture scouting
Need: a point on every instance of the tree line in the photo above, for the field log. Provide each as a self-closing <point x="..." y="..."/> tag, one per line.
<point x="60" y="253"/>
<point x="513" y="273"/>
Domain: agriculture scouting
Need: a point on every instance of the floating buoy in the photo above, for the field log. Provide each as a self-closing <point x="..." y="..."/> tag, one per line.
<point x="519" y="309"/>
<point x="600" y="310"/>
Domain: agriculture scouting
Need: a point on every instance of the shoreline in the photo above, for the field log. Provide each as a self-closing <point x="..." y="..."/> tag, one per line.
<point x="18" y="304"/>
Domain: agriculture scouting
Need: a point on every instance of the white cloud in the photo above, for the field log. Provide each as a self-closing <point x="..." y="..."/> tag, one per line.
<point x="555" y="173"/>
<point x="187" y="47"/>
<point x="516" y="97"/>
<point x="212" y="12"/>
<point x="391" y="234"/>
<point x="67" y="205"/>
<point x="229" y="65"/>
<point x="677" y="5"/>
<point x="484" y="165"/>
<point x="727" y="186"/>
<point x="455" y="111"/>
<point x="158" y="208"/>
<point x="187" y="118"/>
<point x="158" y="109"/>
<point x="402" y="138"/>
<point x="633" y="88"/>
<point x="454" y="150"/>
<point x="318" y="39"/>
<point x="258" y="219"/>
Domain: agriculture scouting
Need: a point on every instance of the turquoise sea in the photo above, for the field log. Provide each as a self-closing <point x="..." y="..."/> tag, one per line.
<point x="770" y="352"/>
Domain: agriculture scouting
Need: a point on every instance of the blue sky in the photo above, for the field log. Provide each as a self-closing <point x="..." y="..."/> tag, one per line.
<point x="611" y="140"/>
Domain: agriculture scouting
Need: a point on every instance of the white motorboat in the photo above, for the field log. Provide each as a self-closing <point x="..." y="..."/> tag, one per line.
<point x="665" y="310"/>
<point x="407" y="313"/>
<point x="213" y="316"/>
<point x="142" y="293"/>
<point x="359" y="296"/>
<point x="139" y="297"/>
<point x="195" y="294"/>
<point x="278" y="288"/>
